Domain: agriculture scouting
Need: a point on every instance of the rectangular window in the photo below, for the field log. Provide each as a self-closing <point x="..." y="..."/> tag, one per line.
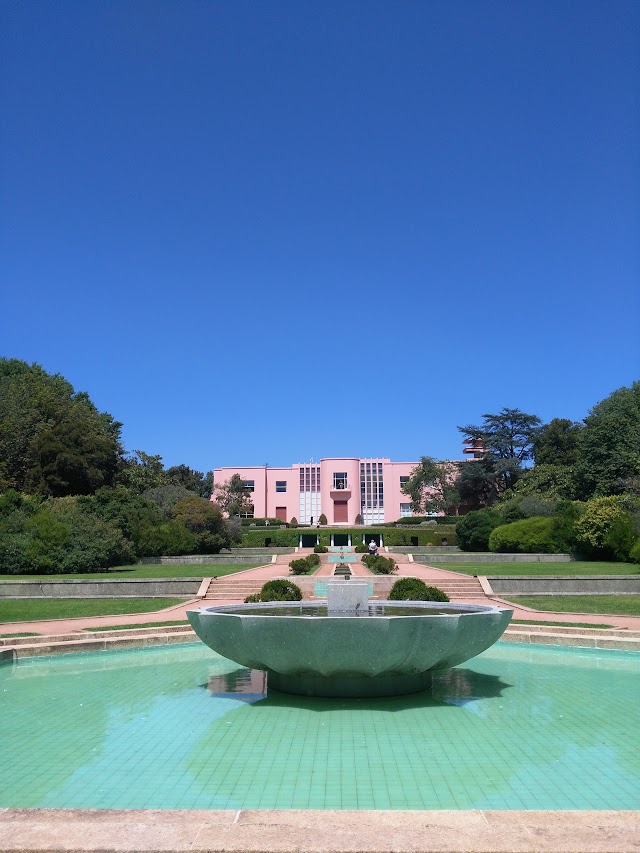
<point x="340" y="480"/>
<point x="405" y="510"/>
<point x="250" y="485"/>
<point x="404" y="481"/>
<point x="281" y="485"/>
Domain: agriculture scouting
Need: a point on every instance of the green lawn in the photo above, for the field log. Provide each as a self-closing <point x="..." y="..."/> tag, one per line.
<point x="29" y="609"/>
<point x="206" y="570"/>
<point x="141" y="625"/>
<point x="619" y="605"/>
<point x="557" y="624"/>
<point x="19" y="634"/>
<point x="578" y="567"/>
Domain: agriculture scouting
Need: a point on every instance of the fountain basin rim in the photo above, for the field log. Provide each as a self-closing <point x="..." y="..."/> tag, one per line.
<point x="255" y="608"/>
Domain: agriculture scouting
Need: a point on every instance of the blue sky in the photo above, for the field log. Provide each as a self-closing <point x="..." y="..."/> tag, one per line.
<point x="265" y="231"/>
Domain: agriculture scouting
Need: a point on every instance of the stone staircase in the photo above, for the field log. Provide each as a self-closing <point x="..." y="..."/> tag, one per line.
<point x="232" y="588"/>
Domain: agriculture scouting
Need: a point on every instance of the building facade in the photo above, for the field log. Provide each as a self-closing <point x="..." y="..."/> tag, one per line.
<point x="340" y="488"/>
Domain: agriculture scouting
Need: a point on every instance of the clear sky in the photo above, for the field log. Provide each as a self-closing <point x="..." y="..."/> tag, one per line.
<point x="259" y="232"/>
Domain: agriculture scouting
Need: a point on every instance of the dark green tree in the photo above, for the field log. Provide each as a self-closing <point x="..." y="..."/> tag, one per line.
<point x="508" y="438"/>
<point x="53" y="440"/>
<point x="609" y="445"/>
<point x="141" y="472"/>
<point x="194" y="481"/>
<point x="556" y="443"/>
<point x="204" y="519"/>
<point x="166" y="497"/>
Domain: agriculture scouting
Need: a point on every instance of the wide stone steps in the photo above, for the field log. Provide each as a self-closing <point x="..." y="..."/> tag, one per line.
<point x="237" y="589"/>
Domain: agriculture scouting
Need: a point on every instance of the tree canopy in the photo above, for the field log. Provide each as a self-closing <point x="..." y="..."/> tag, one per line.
<point x="609" y="444"/>
<point x="233" y="497"/>
<point x="53" y="440"/>
<point x="431" y="487"/>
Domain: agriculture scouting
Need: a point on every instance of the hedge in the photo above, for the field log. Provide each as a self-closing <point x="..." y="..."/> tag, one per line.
<point x="529" y="536"/>
<point x="432" y="535"/>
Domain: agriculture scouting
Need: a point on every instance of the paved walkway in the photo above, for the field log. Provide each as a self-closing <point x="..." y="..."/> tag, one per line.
<point x="273" y="570"/>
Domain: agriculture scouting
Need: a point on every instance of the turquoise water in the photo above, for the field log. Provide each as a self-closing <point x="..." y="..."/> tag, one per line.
<point x="181" y="727"/>
<point x="347" y="558"/>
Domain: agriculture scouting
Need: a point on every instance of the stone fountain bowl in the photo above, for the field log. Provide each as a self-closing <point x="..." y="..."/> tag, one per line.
<point x="390" y="650"/>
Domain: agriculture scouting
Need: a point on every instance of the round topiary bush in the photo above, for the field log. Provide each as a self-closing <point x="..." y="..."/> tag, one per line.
<point x="379" y="565"/>
<point x="322" y="519"/>
<point x="250" y="599"/>
<point x="280" y="590"/>
<point x="414" y="589"/>
<point x="299" y="566"/>
<point x="320" y="549"/>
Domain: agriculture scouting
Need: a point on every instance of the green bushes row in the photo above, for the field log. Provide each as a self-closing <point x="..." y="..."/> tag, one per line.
<point x="304" y="565"/>
<point x="605" y="528"/>
<point x="287" y="538"/>
<point x="109" y="528"/>
<point x="379" y="565"/>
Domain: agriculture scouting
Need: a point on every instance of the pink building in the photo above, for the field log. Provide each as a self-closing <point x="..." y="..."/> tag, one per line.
<point x="340" y="488"/>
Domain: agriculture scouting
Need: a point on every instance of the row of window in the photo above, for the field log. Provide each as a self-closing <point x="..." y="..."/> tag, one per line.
<point x="339" y="482"/>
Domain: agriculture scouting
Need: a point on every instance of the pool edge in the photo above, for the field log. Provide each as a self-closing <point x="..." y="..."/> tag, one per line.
<point x="284" y="831"/>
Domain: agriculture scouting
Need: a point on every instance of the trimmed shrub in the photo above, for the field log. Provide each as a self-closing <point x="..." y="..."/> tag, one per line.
<point x="254" y="597"/>
<point x="528" y="536"/>
<point x="320" y="549"/>
<point x="280" y="590"/>
<point x="605" y="530"/>
<point x="322" y="519"/>
<point x="293" y="522"/>
<point x="361" y="549"/>
<point x="303" y="565"/>
<point x="414" y="589"/>
<point x="299" y="566"/>
<point x="358" y="519"/>
<point x="379" y="565"/>
<point x="634" y="553"/>
<point x="474" y="529"/>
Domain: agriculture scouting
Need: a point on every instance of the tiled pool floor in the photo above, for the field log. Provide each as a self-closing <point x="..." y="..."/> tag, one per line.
<point x="181" y="727"/>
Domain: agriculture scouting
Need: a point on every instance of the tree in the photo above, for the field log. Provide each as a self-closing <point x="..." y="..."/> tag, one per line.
<point x="194" y="481"/>
<point x="473" y="529"/>
<point x="606" y="529"/>
<point x="508" y="441"/>
<point x="609" y="444"/>
<point x="233" y="497"/>
<point x="431" y="487"/>
<point x="554" y="482"/>
<point x="142" y="472"/>
<point x="204" y="519"/>
<point x="556" y="443"/>
<point x="166" y="497"/>
<point x="53" y="440"/>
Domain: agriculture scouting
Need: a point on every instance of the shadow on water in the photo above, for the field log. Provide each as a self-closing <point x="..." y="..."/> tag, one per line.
<point x="457" y="686"/>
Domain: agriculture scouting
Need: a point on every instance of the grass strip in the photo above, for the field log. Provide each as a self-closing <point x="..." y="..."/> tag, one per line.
<point x="578" y="567"/>
<point x="139" y="625"/>
<point x="35" y="609"/>
<point x="206" y="570"/>
<point x="558" y="624"/>
<point x="19" y="634"/>
<point x="615" y="605"/>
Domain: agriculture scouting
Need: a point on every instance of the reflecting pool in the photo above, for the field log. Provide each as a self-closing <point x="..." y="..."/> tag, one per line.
<point x="181" y="727"/>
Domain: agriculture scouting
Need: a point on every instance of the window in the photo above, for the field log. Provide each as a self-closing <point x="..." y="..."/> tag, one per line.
<point x="250" y="485"/>
<point x="405" y="510"/>
<point x="281" y="485"/>
<point x="404" y="481"/>
<point x="340" y="480"/>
